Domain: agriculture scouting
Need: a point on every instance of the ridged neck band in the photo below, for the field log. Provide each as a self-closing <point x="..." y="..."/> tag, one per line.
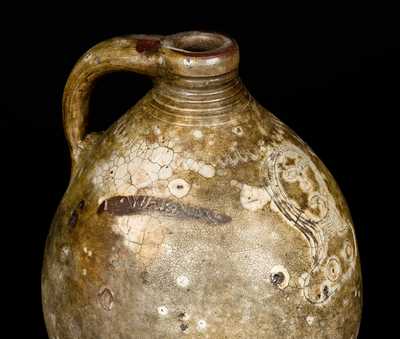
<point x="195" y="100"/>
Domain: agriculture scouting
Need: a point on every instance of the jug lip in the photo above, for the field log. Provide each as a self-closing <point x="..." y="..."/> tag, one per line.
<point x="200" y="53"/>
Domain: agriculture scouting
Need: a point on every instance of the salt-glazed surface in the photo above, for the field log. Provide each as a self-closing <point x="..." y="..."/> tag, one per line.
<point x="198" y="214"/>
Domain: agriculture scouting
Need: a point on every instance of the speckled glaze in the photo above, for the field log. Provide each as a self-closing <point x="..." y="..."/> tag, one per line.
<point x="198" y="214"/>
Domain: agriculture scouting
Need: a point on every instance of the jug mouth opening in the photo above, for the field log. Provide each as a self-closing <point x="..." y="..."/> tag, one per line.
<point x="196" y="53"/>
<point x="201" y="43"/>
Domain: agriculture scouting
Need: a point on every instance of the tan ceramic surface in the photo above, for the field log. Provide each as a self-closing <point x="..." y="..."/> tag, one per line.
<point x="198" y="214"/>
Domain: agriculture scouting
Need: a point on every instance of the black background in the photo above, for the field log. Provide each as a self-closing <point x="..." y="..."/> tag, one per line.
<point x="332" y="74"/>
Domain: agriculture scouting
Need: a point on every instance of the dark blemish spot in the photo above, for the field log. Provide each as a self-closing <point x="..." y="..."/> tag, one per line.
<point x="144" y="276"/>
<point x="81" y="204"/>
<point x="179" y="187"/>
<point x="277" y="278"/>
<point x="184" y="327"/>
<point x="181" y="315"/>
<point x="326" y="291"/>
<point x="147" y="45"/>
<point x="73" y="220"/>
<point x="143" y="204"/>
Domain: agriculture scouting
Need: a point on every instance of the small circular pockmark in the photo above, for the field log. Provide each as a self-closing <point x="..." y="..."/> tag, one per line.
<point x="179" y="187"/>
<point x="162" y="310"/>
<point x="277" y="278"/>
<point x="348" y="251"/>
<point x="237" y="130"/>
<point x="201" y="325"/>
<point x="184" y="327"/>
<point x="333" y="268"/>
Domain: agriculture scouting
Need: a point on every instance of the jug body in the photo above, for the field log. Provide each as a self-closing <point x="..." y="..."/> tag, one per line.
<point x="196" y="214"/>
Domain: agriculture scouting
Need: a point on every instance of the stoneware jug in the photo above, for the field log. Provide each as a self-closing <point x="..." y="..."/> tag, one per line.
<point x="198" y="214"/>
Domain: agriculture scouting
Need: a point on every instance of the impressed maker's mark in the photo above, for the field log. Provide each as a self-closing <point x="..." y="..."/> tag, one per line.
<point x="143" y="204"/>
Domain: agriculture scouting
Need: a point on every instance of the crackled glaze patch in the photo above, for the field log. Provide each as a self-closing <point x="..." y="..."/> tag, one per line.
<point x="200" y="167"/>
<point x="142" y="235"/>
<point x="144" y="165"/>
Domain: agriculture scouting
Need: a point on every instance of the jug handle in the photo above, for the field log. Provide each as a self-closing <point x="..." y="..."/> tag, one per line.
<point x="135" y="53"/>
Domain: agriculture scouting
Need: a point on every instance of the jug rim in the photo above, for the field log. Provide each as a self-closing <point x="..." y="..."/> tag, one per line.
<point x="200" y="53"/>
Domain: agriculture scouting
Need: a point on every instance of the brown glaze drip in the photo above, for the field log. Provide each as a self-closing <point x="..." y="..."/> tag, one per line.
<point x="148" y="45"/>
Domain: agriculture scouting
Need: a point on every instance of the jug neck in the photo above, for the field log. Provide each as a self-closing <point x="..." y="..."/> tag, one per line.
<point x="208" y="100"/>
<point x="199" y="83"/>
